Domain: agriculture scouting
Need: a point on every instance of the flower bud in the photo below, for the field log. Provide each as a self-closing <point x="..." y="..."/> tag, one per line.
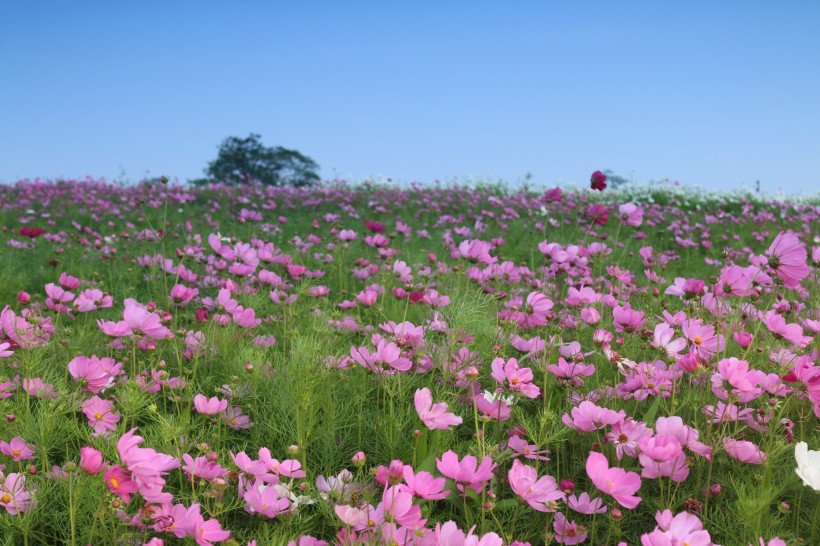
<point x="358" y="459"/>
<point x="91" y="460"/>
<point x="23" y="297"/>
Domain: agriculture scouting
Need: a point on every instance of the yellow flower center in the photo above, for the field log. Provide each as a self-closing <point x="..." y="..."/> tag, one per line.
<point x="115" y="482"/>
<point x="15" y="452"/>
<point x="5" y="499"/>
<point x="232" y="421"/>
<point x="98" y="416"/>
<point x="698" y="340"/>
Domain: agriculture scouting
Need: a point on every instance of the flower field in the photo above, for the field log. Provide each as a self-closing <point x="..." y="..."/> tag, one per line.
<point x="426" y="365"/>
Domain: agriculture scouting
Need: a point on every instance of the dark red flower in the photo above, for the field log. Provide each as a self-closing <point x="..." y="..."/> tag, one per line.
<point x="375" y="227"/>
<point x="599" y="213"/>
<point x="598" y="181"/>
<point x="416" y="297"/>
<point x="31" y="232"/>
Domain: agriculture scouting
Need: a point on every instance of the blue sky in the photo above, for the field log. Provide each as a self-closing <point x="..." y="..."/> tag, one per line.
<point x="716" y="94"/>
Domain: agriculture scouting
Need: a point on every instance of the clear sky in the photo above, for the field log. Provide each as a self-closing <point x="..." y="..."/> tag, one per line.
<point x="711" y="93"/>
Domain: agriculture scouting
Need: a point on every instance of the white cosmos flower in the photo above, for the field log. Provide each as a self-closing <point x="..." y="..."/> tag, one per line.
<point x="808" y="465"/>
<point x="492" y="397"/>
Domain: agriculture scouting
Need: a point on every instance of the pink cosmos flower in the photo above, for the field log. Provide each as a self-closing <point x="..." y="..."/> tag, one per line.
<point x="541" y="494"/>
<point x="626" y="319"/>
<point x="424" y="485"/>
<point x="91" y="372"/>
<point x="17" y="449"/>
<point x="684" y="528"/>
<point x="100" y="415"/>
<point x="491" y="406"/>
<point x="583" y="504"/>
<point x="686" y="435"/>
<point x="588" y="416"/>
<point x="233" y="418"/>
<point x="518" y="379"/>
<point x="466" y="473"/>
<point x="529" y="451"/>
<point x="266" y="500"/>
<point x="663" y="340"/>
<point x="476" y="251"/>
<point x="733" y="377"/>
<point x="119" y="482"/>
<point x="568" y="532"/>
<point x="744" y="451"/>
<point x="777" y="325"/>
<point x="182" y="295"/>
<point x="143" y="322"/>
<point x="613" y="481"/>
<point x="209" y="406"/>
<point x="13" y="495"/>
<point x="448" y="534"/>
<point x="625" y="435"/>
<point x="434" y="416"/>
<point x="146" y="466"/>
<point x="631" y="214"/>
<point x="788" y="259"/>
<point x="703" y="338"/>
<point x="91" y="460"/>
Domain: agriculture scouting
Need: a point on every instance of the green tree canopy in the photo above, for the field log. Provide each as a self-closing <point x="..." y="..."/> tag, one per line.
<point x="244" y="159"/>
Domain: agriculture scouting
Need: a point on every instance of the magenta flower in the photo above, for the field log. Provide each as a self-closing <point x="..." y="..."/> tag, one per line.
<point x="788" y="259"/>
<point x="91" y="460"/>
<point x="613" y="481"/>
<point x="119" y="482"/>
<point x="17" y="449"/>
<point x="434" y="416"/>
<point x="464" y="472"/>
<point x="541" y="494"/>
<point x="209" y="406"/>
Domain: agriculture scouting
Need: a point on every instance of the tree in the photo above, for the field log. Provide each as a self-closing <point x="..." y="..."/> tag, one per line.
<point x="242" y="159"/>
<point x="615" y="180"/>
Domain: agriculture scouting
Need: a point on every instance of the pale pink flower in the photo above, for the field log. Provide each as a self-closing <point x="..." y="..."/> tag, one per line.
<point x="613" y="481"/>
<point x="434" y="416"/>
<point x="541" y="494"/>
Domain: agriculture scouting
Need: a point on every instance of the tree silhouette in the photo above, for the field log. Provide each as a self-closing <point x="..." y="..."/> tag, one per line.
<point x="245" y="159"/>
